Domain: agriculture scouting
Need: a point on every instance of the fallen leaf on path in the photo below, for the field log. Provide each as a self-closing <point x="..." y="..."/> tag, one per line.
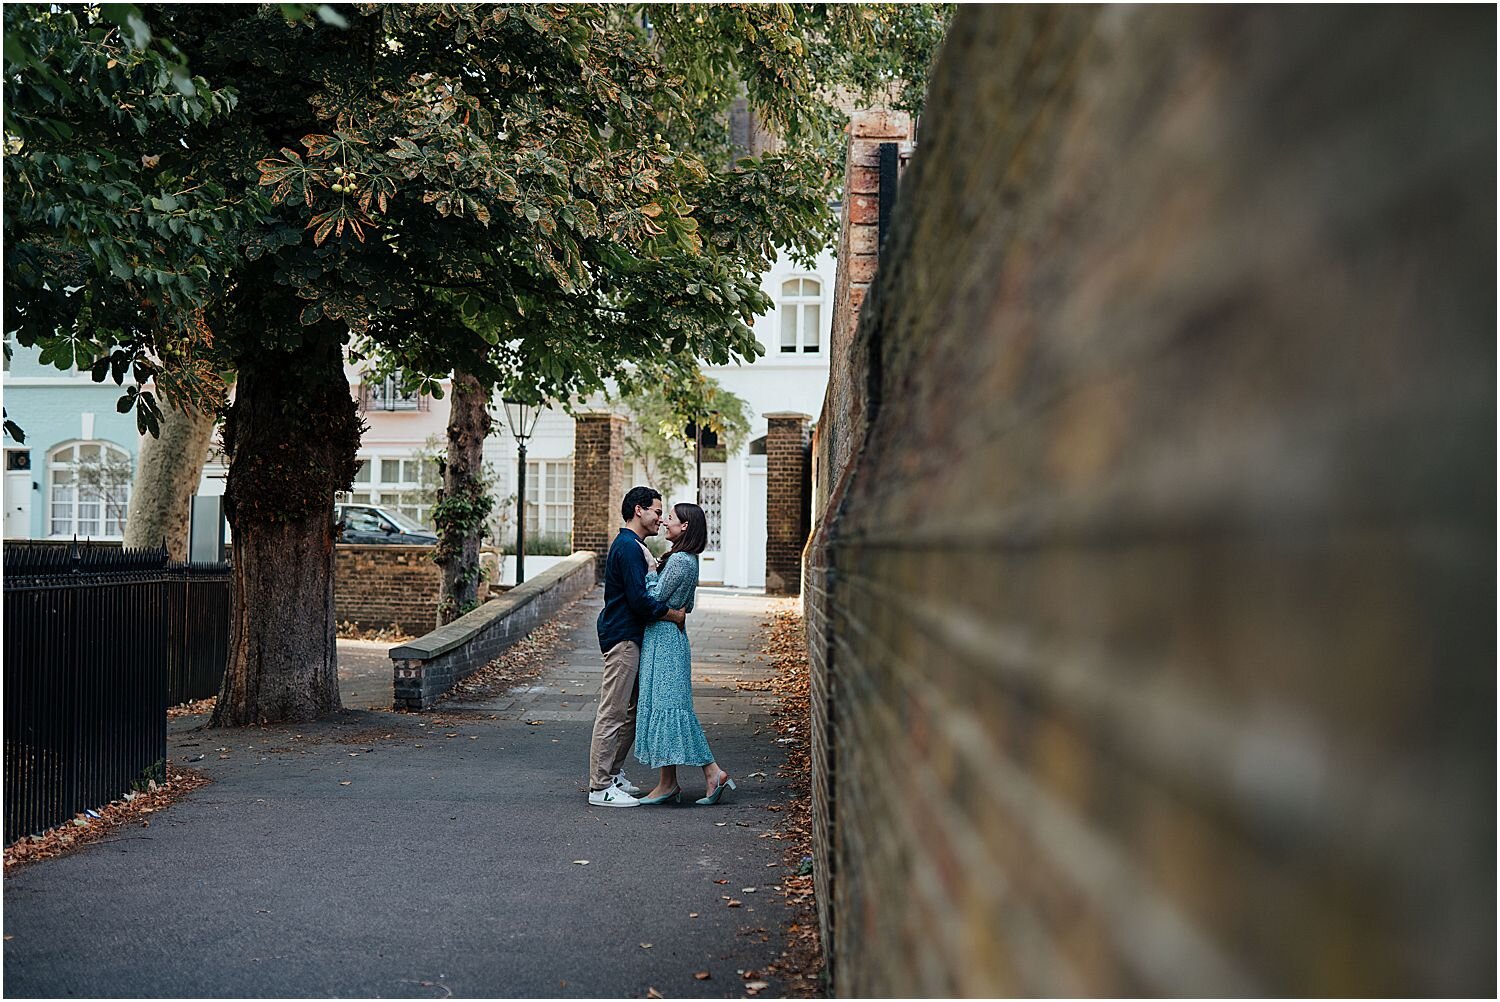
<point x="701" y="975"/>
<point x="721" y="881"/>
<point x="345" y="782"/>
<point x="647" y="946"/>
<point x="734" y="903"/>
<point x="581" y="862"/>
<point x="692" y="914"/>
<point x="652" y="993"/>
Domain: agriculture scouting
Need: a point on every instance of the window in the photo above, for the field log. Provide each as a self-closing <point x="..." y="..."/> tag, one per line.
<point x="364" y="520"/>
<point x="406" y="484"/>
<point x="549" y="498"/>
<point x="801" y="310"/>
<point x="88" y="490"/>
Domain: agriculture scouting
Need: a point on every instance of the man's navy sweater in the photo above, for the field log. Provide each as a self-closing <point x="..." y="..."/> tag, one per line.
<point x="627" y="606"/>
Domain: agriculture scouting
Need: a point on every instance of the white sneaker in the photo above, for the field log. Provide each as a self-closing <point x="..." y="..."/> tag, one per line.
<point x="625" y="785"/>
<point x="612" y="796"/>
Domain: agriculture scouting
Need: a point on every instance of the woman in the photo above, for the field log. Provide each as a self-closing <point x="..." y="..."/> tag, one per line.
<point x="667" y="732"/>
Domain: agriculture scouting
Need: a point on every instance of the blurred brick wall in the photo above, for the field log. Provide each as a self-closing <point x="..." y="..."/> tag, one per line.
<point x="375" y="586"/>
<point x="834" y="442"/>
<point x="1159" y="618"/>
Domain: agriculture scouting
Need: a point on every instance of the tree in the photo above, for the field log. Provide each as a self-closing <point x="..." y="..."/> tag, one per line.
<point x="112" y="241"/>
<point x="660" y="414"/>
<point x="490" y="190"/>
<point x="168" y="470"/>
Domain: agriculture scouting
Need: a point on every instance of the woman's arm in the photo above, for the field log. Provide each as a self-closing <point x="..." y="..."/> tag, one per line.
<point x="677" y="580"/>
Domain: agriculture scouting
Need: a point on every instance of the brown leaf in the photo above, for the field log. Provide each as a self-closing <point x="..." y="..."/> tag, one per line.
<point x="701" y="975"/>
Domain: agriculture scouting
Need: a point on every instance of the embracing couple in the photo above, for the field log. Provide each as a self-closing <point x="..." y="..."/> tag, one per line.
<point x="647" y="694"/>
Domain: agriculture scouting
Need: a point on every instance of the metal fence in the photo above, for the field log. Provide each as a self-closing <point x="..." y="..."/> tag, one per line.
<point x="98" y="642"/>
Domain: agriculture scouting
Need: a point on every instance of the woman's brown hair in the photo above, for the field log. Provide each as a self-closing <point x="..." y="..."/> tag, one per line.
<point x="694" y="538"/>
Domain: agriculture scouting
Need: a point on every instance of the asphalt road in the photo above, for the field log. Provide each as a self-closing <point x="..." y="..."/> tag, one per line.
<point x="383" y="854"/>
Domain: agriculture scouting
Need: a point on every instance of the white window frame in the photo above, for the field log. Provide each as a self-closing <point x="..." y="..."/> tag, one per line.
<point x="120" y="501"/>
<point x="799" y="302"/>
<point x="549" y="503"/>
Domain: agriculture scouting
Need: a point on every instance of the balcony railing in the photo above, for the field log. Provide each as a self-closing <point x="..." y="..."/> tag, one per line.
<point x="386" y="395"/>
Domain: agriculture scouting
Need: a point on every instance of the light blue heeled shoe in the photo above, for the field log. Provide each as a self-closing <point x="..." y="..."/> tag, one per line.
<point x="713" y="798"/>
<point x="672" y="795"/>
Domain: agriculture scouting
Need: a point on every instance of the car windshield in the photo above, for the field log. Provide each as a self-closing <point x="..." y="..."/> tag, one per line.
<point x="406" y="522"/>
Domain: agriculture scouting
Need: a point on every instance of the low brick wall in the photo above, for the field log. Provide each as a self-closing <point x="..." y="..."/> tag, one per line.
<point x="375" y="586"/>
<point x="431" y="665"/>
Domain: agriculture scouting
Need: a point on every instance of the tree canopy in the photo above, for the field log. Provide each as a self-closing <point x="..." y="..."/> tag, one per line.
<point x="532" y="197"/>
<point x="530" y="193"/>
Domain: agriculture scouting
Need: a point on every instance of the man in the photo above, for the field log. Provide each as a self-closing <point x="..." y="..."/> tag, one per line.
<point x="622" y="626"/>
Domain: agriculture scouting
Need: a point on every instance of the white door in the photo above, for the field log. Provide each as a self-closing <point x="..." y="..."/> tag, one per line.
<point x="711" y="563"/>
<point x="755" y="508"/>
<point x="18" y="504"/>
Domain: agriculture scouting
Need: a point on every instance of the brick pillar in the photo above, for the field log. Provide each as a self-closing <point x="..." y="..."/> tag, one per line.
<point x="787" y="440"/>
<point x="598" y="482"/>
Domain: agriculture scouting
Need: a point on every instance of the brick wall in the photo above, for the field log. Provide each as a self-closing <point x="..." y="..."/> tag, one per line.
<point x="375" y="586"/>
<point x="835" y="441"/>
<point x="598" y="482"/>
<point x="1161" y="598"/>
<point x="787" y="496"/>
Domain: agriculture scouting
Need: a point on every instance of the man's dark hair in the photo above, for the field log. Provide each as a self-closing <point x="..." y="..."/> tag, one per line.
<point x="637" y="497"/>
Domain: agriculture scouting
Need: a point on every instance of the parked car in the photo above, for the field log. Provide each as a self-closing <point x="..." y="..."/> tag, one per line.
<point x="366" y="523"/>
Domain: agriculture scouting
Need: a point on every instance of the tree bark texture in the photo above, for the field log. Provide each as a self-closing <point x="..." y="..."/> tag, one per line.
<point x="465" y="501"/>
<point x="167" y="474"/>
<point x="291" y="436"/>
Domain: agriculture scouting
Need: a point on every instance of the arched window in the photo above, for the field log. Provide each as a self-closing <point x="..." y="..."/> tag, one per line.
<point x="801" y="308"/>
<point x="88" y="489"/>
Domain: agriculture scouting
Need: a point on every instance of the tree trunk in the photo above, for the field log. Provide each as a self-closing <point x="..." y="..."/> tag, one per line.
<point x="291" y="436"/>
<point x="464" y="502"/>
<point x="167" y="475"/>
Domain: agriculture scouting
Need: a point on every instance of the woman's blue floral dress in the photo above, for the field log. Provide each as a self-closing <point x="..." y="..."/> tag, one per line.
<point x="667" y="731"/>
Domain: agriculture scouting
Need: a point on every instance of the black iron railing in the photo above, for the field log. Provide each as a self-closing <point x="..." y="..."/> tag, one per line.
<point x="98" y="642"/>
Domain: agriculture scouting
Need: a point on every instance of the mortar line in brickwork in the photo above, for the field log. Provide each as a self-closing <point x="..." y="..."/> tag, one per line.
<point x="1189" y="745"/>
<point x="978" y="872"/>
<point x="1098" y="873"/>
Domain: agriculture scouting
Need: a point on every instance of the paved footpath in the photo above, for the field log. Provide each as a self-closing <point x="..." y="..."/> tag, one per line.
<point x="431" y="855"/>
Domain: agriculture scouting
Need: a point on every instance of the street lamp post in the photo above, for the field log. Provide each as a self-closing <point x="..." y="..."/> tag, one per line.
<point x="521" y="417"/>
